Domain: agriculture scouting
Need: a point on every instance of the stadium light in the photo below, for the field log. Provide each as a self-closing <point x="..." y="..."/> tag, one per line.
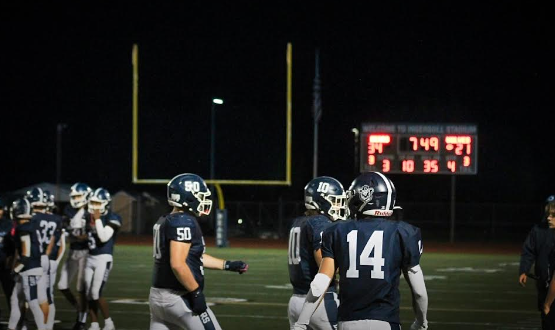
<point x="218" y="101"/>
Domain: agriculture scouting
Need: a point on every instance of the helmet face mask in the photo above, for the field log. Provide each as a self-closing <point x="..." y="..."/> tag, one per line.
<point x="100" y="200"/>
<point x="190" y="192"/>
<point x="327" y="196"/>
<point x="371" y="194"/>
<point x="79" y="195"/>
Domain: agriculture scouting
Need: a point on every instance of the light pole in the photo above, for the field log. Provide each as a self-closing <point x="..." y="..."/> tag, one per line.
<point x="59" y="129"/>
<point x="213" y="135"/>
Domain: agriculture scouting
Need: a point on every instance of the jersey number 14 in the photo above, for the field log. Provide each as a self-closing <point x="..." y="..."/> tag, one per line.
<point x="375" y="243"/>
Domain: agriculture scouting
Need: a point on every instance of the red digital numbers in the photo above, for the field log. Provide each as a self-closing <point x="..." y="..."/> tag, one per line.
<point x="386" y="165"/>
<point x="431" y="166"/>
<point x="408" y="166"/>
<point x="458" y="144"/>
<point x="452" y="165"/>
<point x="427" y="143"/>
<point x="376" y="143"/>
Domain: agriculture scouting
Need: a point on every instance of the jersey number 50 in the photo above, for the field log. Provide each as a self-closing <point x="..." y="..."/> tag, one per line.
<point x="377" y="262"/>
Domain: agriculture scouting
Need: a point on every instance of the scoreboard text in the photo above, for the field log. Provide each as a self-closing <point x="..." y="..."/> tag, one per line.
<point x="419" y="148"/>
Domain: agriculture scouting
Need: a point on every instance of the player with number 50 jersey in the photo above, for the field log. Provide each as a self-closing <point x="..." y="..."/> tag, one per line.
<point x="370" y="252"/>
<point x="176" y="297"/>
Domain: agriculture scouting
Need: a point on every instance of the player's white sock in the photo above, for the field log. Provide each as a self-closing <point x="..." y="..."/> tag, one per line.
<point x="37" y="313"/>
<point x="94" y="326"/>
<point x="51" y="315"/>
<point x="109" y="324"/>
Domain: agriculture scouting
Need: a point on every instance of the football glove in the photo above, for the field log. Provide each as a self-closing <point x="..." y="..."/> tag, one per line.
<point x="416" y="325"/>
<point x="197" y="301"/>
<point x="236" y="266"/>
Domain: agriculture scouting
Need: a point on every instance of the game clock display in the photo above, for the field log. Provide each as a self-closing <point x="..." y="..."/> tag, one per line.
<point x="402" y="148"/>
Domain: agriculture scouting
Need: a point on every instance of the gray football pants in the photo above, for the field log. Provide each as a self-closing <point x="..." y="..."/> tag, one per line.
<point x="368" y="325"/>
<point x="324" y="317"/>
<point x="169" y="311"/>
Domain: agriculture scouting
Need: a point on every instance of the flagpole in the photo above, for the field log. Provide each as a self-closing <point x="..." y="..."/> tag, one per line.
<point x="317" y="113"/>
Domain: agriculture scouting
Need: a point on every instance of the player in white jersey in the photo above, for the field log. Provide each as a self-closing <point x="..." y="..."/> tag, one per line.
<point x="75" y="216"/>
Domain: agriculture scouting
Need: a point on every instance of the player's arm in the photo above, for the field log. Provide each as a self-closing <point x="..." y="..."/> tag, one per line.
<point x="62" y="249"/>
<point x="318" y="288"/>
<point x="415" y="279"/>
<point x="549" y="298"/>
<point x="318" y="256"/>
<point x="25" y="252"/>
<point x="50" y="245"/>
<point x="103" y="232"/>
<point x="178" y="255"/>
<point x="527" y="257"/>
<point x="211" y="262"/>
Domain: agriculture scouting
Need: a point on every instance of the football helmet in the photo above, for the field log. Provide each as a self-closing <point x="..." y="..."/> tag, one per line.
<point x="36" y="197"/>
<point x="20" y="209"/>
<point x="79" y="194"/>
<point x="326" y="195"/>
<point x="189" y="191"/>
<point x="49" y="198"/>
<point x="100" y="200"/>
<point x="373" y="194"/>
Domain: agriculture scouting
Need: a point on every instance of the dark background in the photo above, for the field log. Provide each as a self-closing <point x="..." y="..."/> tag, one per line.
<point x="488" y="64"/>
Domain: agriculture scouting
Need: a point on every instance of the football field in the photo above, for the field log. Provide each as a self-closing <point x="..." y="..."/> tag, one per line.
<point x="466" y="291"/>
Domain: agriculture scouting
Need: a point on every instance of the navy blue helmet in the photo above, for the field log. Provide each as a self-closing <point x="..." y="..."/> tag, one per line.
<point x="100" y="200"/>
<point x="49" y="198"/>
<point x="36" y="197"/>
<point x="20" y="209"/>
<point x="371" y="194"/>
<point x="326" y="195"/>
<point x="79" y="194"/>
<point x="189" y="191"/>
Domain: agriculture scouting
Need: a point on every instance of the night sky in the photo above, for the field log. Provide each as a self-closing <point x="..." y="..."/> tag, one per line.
<point x="484" y="64"/>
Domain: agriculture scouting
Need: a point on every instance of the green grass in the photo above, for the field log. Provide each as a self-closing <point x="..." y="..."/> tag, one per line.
<point x="485" y="296"/>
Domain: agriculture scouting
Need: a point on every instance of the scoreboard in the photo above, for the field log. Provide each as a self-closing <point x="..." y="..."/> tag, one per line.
<point x="401" y="148"/>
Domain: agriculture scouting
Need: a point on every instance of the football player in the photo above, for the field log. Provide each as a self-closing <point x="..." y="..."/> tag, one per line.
<point x="55" y="251"/>
<point x="28" y="267"/>
<point x="75" y="215"/>
<point x="324" y="199"/>
<point x="370" y="253"/>
<point x="102" y="230"/>
<point x="7" y="250"/>
<point x="48" y="225"/>
<point x="176" y="296"/>
<point x="536" y="251"/>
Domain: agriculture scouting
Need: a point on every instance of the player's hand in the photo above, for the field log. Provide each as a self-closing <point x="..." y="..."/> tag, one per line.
<point x="522" y="279"/>
<point x="299" y="326"/>
<point x="546" y="309"/>
<point x="96" y="214"/>
<point x="197" y="301"/>
<point x="236" y="266"/>
<point x="417" y="325"/>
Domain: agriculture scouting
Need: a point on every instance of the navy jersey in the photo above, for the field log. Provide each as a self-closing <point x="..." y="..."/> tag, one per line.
<point x="50" y="227"/>
<point x="371" y="254"/>
<point x="75" y="244"/>
<point x="31" y="229"/>
<point x="96" y="246"/>
<point x="178" y="227"/>
<point x="7" y="247"/>
<point x="305" y="237"/>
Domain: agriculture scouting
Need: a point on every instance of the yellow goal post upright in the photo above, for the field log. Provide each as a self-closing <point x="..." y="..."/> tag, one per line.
<point x="216" y="182"/>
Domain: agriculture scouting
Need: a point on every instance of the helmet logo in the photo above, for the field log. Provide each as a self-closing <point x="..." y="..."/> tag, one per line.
<point x="366" y="193"/>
